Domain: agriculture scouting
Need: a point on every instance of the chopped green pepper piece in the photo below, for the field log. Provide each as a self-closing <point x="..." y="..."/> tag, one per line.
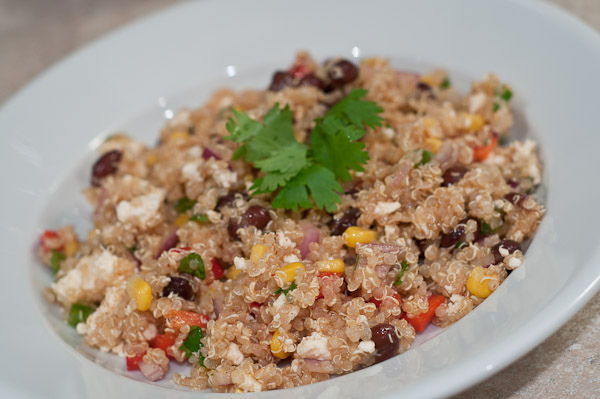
<point x="55" y="260"/>
<point x="506" y="94"/>
<point x="286" y="290"/>
<point x="446" y="83"/>
<point x="79" y="314"/>
<point x="496" y="107"/>
<point x="425" y="158"/>
<point x="192" y="343"/>
<point x="184" y="204"/>
<point x="193" y="264"/>
<point x="199" y="217"/>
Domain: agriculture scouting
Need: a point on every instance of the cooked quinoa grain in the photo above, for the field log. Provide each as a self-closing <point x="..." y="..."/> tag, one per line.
<point x="184" y="264"/>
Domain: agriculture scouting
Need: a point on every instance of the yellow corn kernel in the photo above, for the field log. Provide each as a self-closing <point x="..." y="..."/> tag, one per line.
<point x="277" y="346"/>
<point x="287" y="273"/>
<point x="179" y="135"/>
<point x="331" y="265"/>
<point x="232" y="273"/>
<point x="237" y="390"/>
<point x="257" y="252"/>
<point x="181" y="220"/>
<point x="71" y="247"/>
<point x="140" y="292"/>
<point x="151" y="159"/>
<point x="429" y="122"/>
<point x="429" y="79"/>
<point x="472" y="122"/>
<point x="433" y="145"/>
<point x="478" y="282"/>
<point x="354" y="235"/>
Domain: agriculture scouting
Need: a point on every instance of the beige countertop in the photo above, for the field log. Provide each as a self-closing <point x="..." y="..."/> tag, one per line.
<point x="36" y="33"/>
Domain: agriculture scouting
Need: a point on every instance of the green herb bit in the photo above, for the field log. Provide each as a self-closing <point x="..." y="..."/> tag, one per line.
<point x="286" y="290"/>
<point x="184" y="204"/>
<point x="403" y="269"/>
<point x="79" y="314"/>
<point x="459" y="244"/>
<point x="506" y="94"/>
<point x="192" y="343"/>
<point x="55" y="260"/>
<point x="306" y="175"/>
<point x="132" y="249"/>
<point x="199" y="217"/>
<point x="496" y="107"/>
<point x="193" y="264"/>
<point x="503" y="140"/>
<point x="425" y="158"/>
<point x="446" y="83"/>
<point x="486" y="229"/>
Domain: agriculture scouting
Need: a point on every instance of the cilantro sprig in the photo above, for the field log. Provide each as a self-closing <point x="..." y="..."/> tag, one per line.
<point x="306" y="175"/>
<point x="403" y="269"/>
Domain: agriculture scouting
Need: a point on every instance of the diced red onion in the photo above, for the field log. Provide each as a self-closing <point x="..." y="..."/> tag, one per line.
<point x="169" y="241"/>
<point x="152" y="371"/>
<point x="399" y="177"/>
<point x="217" y="306"/>
<point x="133" y="258"/>
<point x="382" y="270"/>
<point x="311" y="234"/>
<point x="207" y="153"/>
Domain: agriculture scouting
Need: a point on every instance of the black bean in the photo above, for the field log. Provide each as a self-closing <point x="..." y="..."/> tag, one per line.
<point x="512" y="183"/>
<point x="349" y="218"/>
<point x="453" y="237"/>
<point x="453" y="175"/>
<point x="226" y="200"/>
<point x="509" y="245"/>
<point x="256" y="216"/>
<point x="232" y="228"/>
<point x="180" y="287"/>
<point x="422" y="86"/>
<point x="106" y="165"/>
<point x="280" y="80"/>
<point x="386" y="341"/>
<point x="311" y="80"/>
<point x="516" y="198"/>
<point x="342" y="72"/>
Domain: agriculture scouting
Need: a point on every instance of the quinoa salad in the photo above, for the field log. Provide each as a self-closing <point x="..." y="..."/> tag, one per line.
<point x="276" y="238"/>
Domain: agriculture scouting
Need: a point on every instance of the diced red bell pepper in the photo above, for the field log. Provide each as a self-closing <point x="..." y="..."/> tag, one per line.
<point x="481" y="152"/>
<point x="164" y="341"/>
<point x="179" y="318"/>
<point x="217" y="269"/>
<point x="46" y="238"/>
<point x="421" y="321"/>
<point x="133" y="363"/>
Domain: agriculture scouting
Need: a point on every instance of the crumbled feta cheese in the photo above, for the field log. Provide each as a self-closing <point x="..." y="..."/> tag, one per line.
<point x="141" y="210"/>
<point x="234" y="354"/>
<point x="314" y="347"/>
<point x="284" y="241"/>
<point x="291" y="258"/>
<point x="250" y="384"/>
<point x="476" y="101"/>
<point x="239" y="262"/>
<point x="279" y="302"/>
<point x="189" y="171"/>
<point x="367" y="346"/>
<point x="223" y="176"/>
<point x="384" y="208"/>
<point x="195" y="151"/>
<point x="105" y="263"/>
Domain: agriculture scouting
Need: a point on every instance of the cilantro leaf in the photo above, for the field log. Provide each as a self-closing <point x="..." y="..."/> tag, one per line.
<point x="507" y="94"/>
<point x="317" y="180"/>
<point x="305" y="176"/>
<point x="184" y="204"/>
<point x="337" y="152"/>
<point x="285" y="291"/>
<point x="446" y="83"/>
